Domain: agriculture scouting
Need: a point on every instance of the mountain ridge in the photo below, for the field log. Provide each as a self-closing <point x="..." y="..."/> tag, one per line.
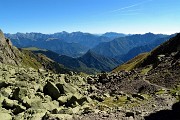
<point x="96" y="64"/>
<point x="122" y="45"/>
<point x="142" y="49"/>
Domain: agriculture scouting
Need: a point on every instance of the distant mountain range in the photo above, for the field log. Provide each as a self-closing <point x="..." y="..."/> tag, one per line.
<point x="76" y="44"/>
<point x="72" y="44"/>
<point x="122" y="45"/>
<point x="87" y="52"/>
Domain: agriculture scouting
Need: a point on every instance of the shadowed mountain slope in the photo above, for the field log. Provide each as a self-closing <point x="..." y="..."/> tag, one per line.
<point x="142" y="49"/>
<point x="88" y="63"/>
<point x="94" y="60"/>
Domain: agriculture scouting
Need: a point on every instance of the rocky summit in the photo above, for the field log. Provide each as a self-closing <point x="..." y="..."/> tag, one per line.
<point x="150" y="90"/>
<point x="8" y="53"/>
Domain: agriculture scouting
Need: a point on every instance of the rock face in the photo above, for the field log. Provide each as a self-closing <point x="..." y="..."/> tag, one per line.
<point x="2" y="38"/>
<point x="8" y="53"/>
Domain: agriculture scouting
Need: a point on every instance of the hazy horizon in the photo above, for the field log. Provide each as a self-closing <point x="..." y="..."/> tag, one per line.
<point x="88" y="32"/>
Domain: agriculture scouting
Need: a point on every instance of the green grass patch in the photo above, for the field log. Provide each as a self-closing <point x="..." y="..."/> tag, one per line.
<point x="115" y="102"/>
<point x="131" y="64"/>
<point x="146" y="70"/>
<point x="34" y="49"/>
<point x="160" y="92"/>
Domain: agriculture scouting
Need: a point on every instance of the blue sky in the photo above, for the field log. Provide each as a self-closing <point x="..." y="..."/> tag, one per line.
<point x="94" y="16"/>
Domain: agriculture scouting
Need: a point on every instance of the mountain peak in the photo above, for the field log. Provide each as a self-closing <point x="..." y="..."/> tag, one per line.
<point x="91" y="53"/>
<point x="94" y="60"/>
<point x="113" y="35"/>
<point x="149" y="33"/>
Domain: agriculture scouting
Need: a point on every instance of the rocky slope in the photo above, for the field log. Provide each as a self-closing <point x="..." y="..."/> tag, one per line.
<point x="8" y="53"/>
<point x="153" y="86"/>
<point x="146" y="92"/>
<point x="27" y="93"/>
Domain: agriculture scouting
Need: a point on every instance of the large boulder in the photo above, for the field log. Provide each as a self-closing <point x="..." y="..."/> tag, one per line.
<point x="13" y="105"/>
<point x="63" y="99"/>
<point x="19" y="93"/>
<point x="129" y="114"/>
<point x="73" y="100"/>
<point x="65" y="88"/>
<point x="6" y="91"/>
<point x="9" y="104"/>
<point x="3" y="84"/>
<point x="37" y="103"/>
<point x="51" y="90"/>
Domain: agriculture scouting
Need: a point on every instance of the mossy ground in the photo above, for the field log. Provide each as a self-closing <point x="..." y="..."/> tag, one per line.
<point x="124" y="101"/>
<point x="161" y="91"/>
<point x="176" y="92"/>
<point x="146" y="70"/>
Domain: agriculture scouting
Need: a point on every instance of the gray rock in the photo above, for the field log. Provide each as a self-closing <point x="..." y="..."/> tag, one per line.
<point x="18" y="109"/>
<point x="10" y="104"/>
<point x="19" y="93"/>
<point x="90" y="80"/>
<point x="13" y="104"/>
<point x="97" y="97"/>
<point x="3" y="84"/>
<point x="51" y="90"/>
<point x="6" y="91"/>
<point x="66" y="88"/>
<point x="139" y="96"/>
<point x="63" y="99"/>
<point x="129" y="114"/>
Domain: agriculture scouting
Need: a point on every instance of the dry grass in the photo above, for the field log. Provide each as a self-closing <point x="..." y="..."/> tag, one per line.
<point x="131" y="64"/>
